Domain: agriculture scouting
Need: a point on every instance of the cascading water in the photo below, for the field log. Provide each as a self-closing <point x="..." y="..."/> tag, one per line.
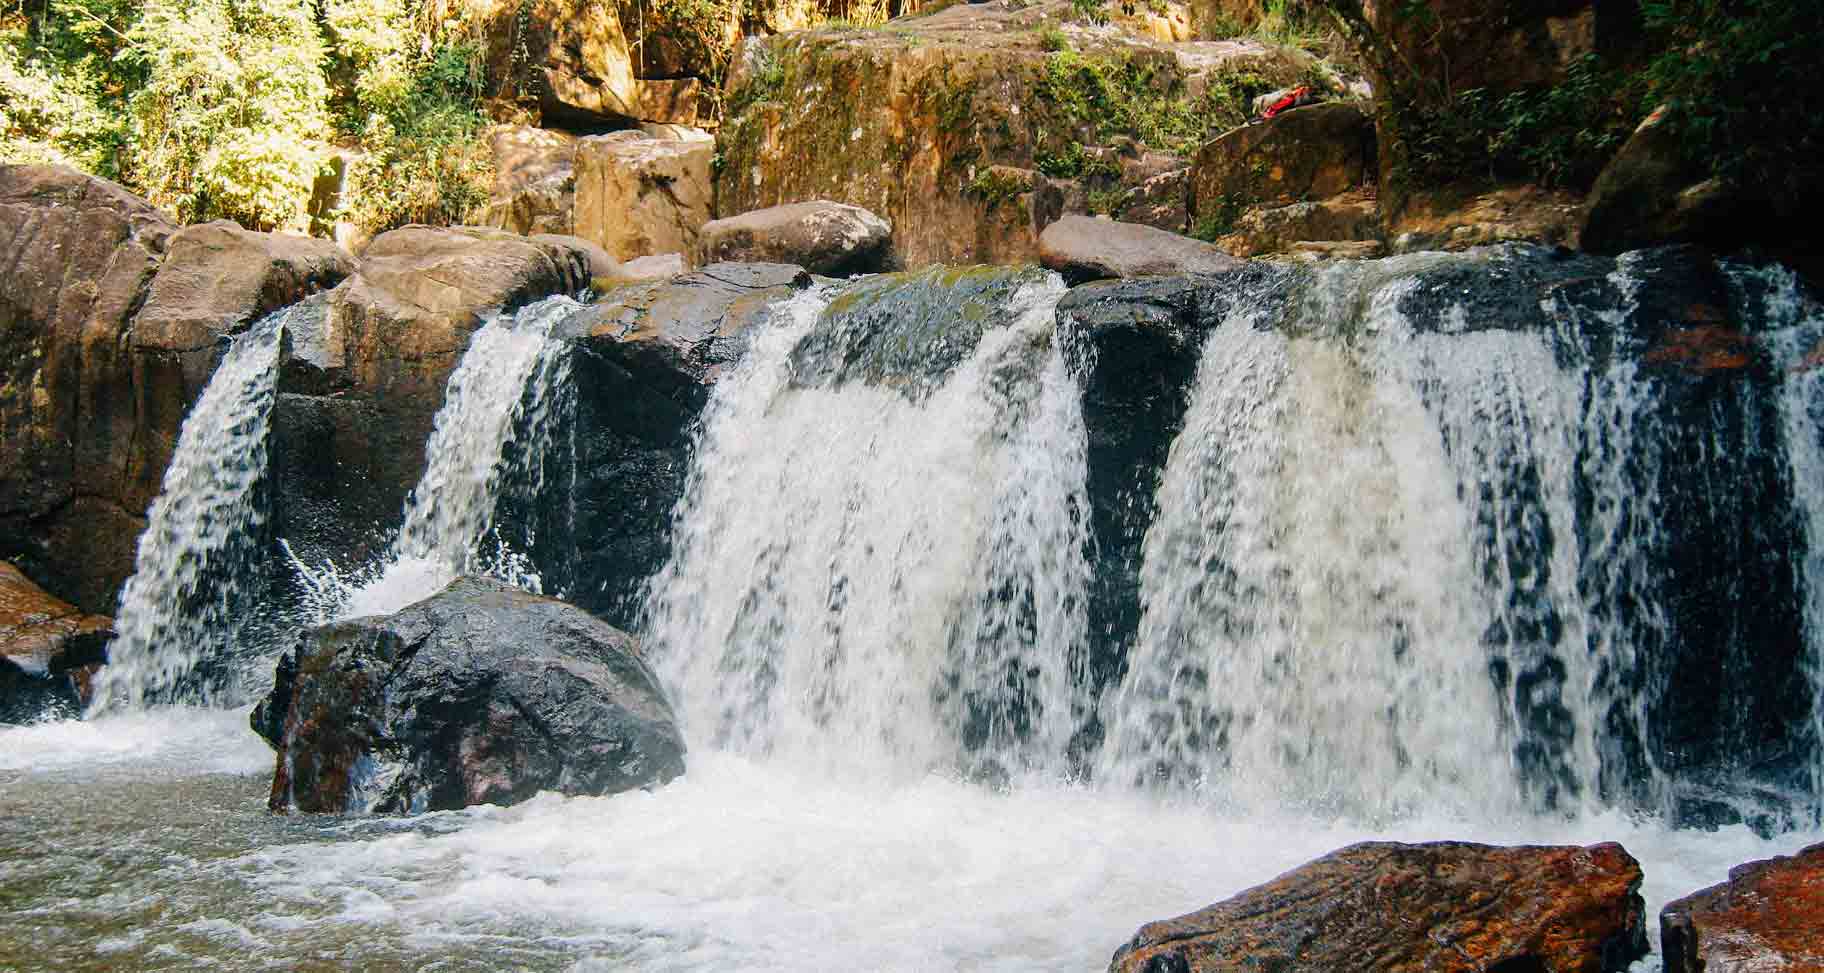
<point x="864" y="578"/>
<point x="190" y="583"/>
<point x="493" y="433"/>
<point x="1306" y="595"/>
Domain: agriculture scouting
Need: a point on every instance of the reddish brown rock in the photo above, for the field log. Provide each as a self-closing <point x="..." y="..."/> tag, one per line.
<point x="77" y="255"/>
<point x="1703" y="349"/>
<point x="1768" y="916"/>
<point x="1442" y="907"/>
<point x="48" y="648"/>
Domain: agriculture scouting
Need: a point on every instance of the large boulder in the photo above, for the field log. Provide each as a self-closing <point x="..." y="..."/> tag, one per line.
<point x="1081" y="248"/>
<point x="48" y="650"/>
<point x="79" y="255"/>
<point x="930" y="124"/>
<point x="534" y="187"/>
<point x="1351" y="217"/>
<point x="1769" y="915"/>
<point x="833" y="239"/>
<point x="217" y="280"/>
<point x="367" y="374"/>
<point x="480" y="694"/>
<point x="638" y="196"/>
<point x="1448" y="220"/>
<point x="1449" y="907"/>
<point x="1307" y="153"/>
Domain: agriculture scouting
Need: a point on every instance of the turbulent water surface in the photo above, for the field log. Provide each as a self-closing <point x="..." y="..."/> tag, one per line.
<point x="1408" y="578"/>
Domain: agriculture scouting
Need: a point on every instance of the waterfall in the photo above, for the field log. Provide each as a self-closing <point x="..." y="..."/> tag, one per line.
<point x="885" y="577"/>
<point x="1307" y="596"/>
<point x="192" y="574"/>
<point x="492" y="436"/>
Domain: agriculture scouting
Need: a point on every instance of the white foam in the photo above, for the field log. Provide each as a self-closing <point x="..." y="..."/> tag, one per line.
<point x="188" y="739"/>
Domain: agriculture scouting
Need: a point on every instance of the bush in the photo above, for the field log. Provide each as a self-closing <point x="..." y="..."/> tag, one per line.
<point x="234" y="93"/>
<point x="422" y="159"/>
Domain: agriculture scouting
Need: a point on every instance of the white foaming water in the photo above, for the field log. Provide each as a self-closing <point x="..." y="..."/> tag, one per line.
<point x="199" y="739"/>
<point x="1307" y="597"/>
<point x="499" y="412"/>
<point x="202" y="533"/>
<point x="865" y="582"/>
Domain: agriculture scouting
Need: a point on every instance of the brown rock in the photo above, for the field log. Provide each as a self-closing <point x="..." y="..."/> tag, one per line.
<point x="1307" y="153"/>
<point x="1438" y="907"/>
<point x="79" y="255"/>
<point x="1352" y="217"/>
<point x="1447" y="220"/>
<point x="914" y="123"/>
<point x="534" y="180"/>
<point x="48" y="647"/>
<point x="833" y="239"/>
<point x="1769" y="915"/>
<point x="637" y="196"/>
<point x="1703" y="349"/>
<point x="217" y="279"/>
<point x="350" y="425"/>
<point x="1084" y="248"/>
<point x="1162" y="201"/>
<point x="1649" y="195"/>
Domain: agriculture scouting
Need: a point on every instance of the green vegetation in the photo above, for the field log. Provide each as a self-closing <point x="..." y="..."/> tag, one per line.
<point x="1142" y="98"/>
<point x="995" y="187"/>
<point x="231" y="108"/>
<point x="1220" y="221"/>
<point x="1072" y="162"/>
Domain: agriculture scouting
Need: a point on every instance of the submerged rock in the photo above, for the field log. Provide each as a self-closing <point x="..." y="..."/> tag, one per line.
<point x="834" y="239"/>
<point x="1082" y="248"/>
<point x="48" y="650"/>
<point x="480" y="694"/>
<point x="1769" y="915"/>
<point x="1443" y="906"/>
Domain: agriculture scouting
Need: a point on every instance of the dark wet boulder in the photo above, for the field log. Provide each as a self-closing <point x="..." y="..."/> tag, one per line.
<point x="480" y="694"/>
<point x="1442" y="907"/>
<point x="822" y="237"/>
<point x="1085" y="248"/>
<point x="909" y="330"/>
<point x="645" y="359"/>
<point x="1769" y="915"/>
<point x="48" y="650"/>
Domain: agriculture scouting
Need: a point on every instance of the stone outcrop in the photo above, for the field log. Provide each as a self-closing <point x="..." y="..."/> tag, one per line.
<point x="48" y="650"/>
<point x="80" y="254"/>
<point x="930" y="125"/>
<point x="358" y="396"/>
<point x="480" y="694"/>
<point x="1081" y="248"/>
<point x="1351" y="217"/>
<point x="637" y="196"/>
<point x="833" y="239"/>
<point x="646" y="357"/>
<point x="1445" y="906"/>
<point x="1446" y="220"/>
<point x="1650" y="194"/>
<point x="594" y="64"/>
<point x="1765" y="917"/>
<point x="1307" y="153"/>
<point x="534" y="187"/>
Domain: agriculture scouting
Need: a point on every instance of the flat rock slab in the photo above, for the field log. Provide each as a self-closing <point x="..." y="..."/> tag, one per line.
<point x="480" y="694"/>
<point x="835" y="239"/>
<point x="1084" y="248"/>
<point x="48" y="648"/>
<point x="1768" y="916"/>
<point x="1437" y="907"/>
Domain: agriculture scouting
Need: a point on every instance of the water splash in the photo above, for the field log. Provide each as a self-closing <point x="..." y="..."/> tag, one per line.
<point x="194" y="570"/>
<point x="869" y="580"/>
<point x="492" y="436"/>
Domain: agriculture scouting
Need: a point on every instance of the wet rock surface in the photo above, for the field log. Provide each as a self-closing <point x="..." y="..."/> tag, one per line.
<point x="351" y="422"/>
<point x="645" y="359"/>
<point x="1444" y="906"/>
<point x="833" y="239"/>
<point x="1769" y="915"/>
<point x="48" y="650"/>
<point x="1082" y="248"/>
<point x="480" y="694"/>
